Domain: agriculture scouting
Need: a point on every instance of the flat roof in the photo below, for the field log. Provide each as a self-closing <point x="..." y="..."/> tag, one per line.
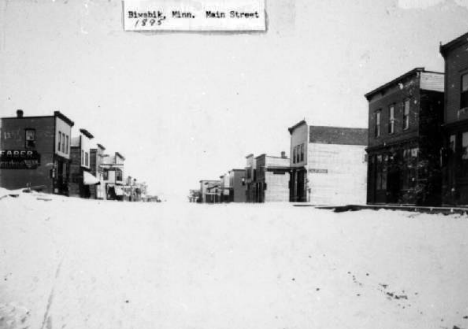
<point x="398" y="79"/>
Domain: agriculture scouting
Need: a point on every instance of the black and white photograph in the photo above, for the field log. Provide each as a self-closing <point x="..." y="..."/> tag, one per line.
<point x="233" y="164"/>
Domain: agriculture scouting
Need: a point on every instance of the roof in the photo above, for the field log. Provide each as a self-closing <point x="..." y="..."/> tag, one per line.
<point x="64" y="118"/>
<point x="101" y="147"/>
<point x="338" y="135"/>
<point x="86" y="133"/>
<point x="117" y="154"/>
<point x="461" y="40"/>
<point x="300" y="123"/>
<point x="395" y="81"/>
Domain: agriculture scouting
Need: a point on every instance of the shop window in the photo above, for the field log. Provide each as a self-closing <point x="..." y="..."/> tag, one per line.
<point x="391" y="123"/>
<point x="30" y="138"/>
<point x="377" y="123"/>
<point x="464" y="91"/>
<point x="406" y="113"/>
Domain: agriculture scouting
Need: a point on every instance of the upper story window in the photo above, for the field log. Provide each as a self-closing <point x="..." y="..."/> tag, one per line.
<point x="464" y="91"/>
<point x="294" y="154"/>
<point x="377" y="123"/>
<point x="302" y="152"/>
<point x="30" y="138"/>
<point x="391" y="123"/>
<point x="406" y="112"/>
<point x="67" y="148"/>
<point x="59" y="141"/>
<point x="86" y="159"/>
<point x="82" y="157"/>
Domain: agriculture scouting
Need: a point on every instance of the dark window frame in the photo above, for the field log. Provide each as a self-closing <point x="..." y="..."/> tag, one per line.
<point x="29" y="143"/>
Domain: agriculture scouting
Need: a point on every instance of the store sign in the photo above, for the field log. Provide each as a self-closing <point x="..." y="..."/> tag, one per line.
<point x="19" y="159"/>
<point x="318" y="171"/>
<point x="194" y="15"/>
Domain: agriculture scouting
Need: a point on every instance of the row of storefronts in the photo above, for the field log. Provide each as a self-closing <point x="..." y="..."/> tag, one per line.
<point x="418" y="134"/>
<point x="415" y="151"/>
<point x="40" y="153"/>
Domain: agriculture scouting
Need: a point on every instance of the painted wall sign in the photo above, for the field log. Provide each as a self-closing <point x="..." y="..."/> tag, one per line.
<point x="19" y="159"/>
<point x="194" y="15"/>
<point x="318" y="171"/>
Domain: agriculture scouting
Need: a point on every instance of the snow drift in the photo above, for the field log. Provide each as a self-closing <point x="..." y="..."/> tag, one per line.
<point x="72" y="263"/>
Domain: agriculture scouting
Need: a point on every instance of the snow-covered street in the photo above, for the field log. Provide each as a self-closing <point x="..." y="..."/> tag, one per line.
<point x="74" y="263"/>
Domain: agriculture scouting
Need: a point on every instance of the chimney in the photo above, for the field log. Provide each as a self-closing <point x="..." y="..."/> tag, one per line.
<point x="19" y="113"/>
<point x="283" y="155"/>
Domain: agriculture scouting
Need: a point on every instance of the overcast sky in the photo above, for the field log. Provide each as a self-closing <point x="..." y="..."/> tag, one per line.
<point x="182" y="107"/>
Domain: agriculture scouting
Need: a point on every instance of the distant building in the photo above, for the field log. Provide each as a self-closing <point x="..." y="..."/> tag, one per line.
<point x="225" y="187"/>
<point x="455" y="152"/>
<point x="272" y="178"/>
<point x="328" y="164"/>
<point x="113" y="176"/>
<point x="405" y="138"/>
<point x="238" y="190"/>
<point x="81" y="178"/>
<point x="97" y="155"/>
<point x="250" y="178"/>
<point x="35" y="152"/>
<point x="210" y="191"/>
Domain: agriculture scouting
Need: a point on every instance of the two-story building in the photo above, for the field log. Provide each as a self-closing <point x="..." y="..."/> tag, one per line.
<point x="35" y="152"/>
<point x="250" y="178"/>
<point x="272" y="178"/>
<point x="405" y="137"/>
<point x="210" y="191"/>
<point x="97" y="154"/>
<point x="455" y="151"/>
<point x="81" y="178"/>
<point x="112" y="167"/>
<point x="238" y="190"/>
<point x="328" y="164"/>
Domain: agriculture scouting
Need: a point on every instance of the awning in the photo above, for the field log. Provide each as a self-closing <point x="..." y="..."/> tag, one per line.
<point x="89" y="179"/>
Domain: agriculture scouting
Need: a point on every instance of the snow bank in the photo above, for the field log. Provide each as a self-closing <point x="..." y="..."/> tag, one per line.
<point x="91" y="264"/>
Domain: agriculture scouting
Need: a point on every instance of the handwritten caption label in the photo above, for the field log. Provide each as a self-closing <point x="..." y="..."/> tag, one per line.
<point x="191" y="15"/>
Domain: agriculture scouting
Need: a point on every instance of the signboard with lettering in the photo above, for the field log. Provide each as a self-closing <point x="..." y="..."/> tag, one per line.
<point x="194" y="15"/>
<point x="19" y="159"/>
<point x="318" y="171"/>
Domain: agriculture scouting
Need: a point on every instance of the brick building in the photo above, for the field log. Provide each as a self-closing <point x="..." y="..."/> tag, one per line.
<point x="35" y="152"/>
<point x="272" y="178"/>
<point x="328" y="165"/>
<point x="81" y="178"/>
<point x="405" y="116"/>
<point x="455" y="151"/>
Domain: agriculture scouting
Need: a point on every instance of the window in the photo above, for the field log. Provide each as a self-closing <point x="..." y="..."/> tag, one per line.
<point x="302" y="152"/>
<point x="30" y="138"/>
<point x="406" y="112"/>
<point x="105" y="175"/>
<point x="82" y="157"/>
<point x="59" y="140"/>
<point x="66" y="145"/>
<point x="294" y="154"/>
<point x="86" y="159"/>
<point x="391" y="123"/>
<point x="464" y="91"/>
<point x="377" y="123"/>
<point x="118" y="175"/>
<point x="63" y="143"/>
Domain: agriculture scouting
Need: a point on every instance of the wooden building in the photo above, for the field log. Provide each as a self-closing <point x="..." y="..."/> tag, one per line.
<point x="238" y="190"/>
<point x="405" y="117"/>
<point x="328" y="164"/>
<point x="272" y="178"/>
<point x="455" y="151"/>
<point x="35" y="152"/>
